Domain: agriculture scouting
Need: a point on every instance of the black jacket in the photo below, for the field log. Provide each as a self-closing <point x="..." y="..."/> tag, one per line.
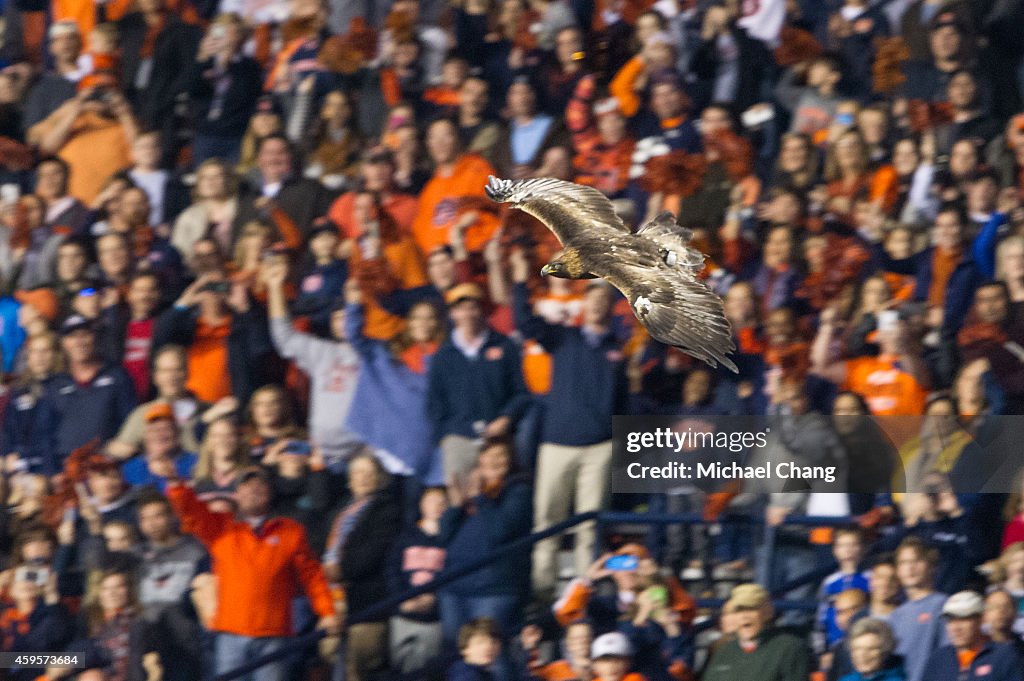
<point x="244" y="85"/>
<point x="173" y="56"/>
<point x="250" y="353"/>
<point x="363" y="565"/>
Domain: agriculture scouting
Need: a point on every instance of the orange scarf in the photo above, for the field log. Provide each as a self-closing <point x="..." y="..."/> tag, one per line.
<point x="415" y="356"/>
<point x="943" y="264"/>
<point x="149" y="42"/>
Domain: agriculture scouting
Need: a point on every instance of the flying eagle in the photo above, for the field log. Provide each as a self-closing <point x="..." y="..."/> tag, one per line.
<point x="654" y="267"/>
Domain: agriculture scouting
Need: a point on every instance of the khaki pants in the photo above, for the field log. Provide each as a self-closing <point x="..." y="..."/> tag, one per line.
<point x="367" y="650"/>
<point x="459" y="454"/>
<point x="565" y="474"/>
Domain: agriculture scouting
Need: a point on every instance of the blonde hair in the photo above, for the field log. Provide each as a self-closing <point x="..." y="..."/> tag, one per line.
<point x="230" y="177"/>
<point x="833" y="171"/>
<point x="204" y="464"/>
<point x="251" y="226"/>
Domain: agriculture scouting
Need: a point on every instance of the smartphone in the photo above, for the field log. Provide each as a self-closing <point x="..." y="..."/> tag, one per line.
<point x="888" y="319"/>
<point x="37" y="575"/>
<point x="625" y="563"/>
<point x="218" y="286"/>
<point x="844" y="119"/>
<point x="298" y="447"/>
<point x="659" y="595"/>
<point x="10" y="193"/>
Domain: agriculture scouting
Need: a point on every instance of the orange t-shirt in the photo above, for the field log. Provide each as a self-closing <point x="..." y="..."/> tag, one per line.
<point x="208" y="362"/>
<point x="559" y="670"/>
<point x="400" y="207"/>
<point x="888" y="390"/>
<point x="439" y="208"/>
<point x="97" y="148"/>
<point x="83" y="12"/>
<point x="405" y="264"/>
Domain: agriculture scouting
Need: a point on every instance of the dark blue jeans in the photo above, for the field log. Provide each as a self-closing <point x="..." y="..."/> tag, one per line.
<point x="457" y="610"/>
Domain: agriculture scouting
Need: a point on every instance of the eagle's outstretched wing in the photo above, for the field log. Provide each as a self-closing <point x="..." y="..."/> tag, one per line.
<point x="567" y="209"/>
<point x="677" y="309"/>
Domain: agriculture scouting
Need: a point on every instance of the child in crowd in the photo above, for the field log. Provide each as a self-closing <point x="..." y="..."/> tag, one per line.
<point x="479" y="646"/>
<point x="102" y="53"/>
<point x="848" y="550"/>
<point x="612" y="656"/>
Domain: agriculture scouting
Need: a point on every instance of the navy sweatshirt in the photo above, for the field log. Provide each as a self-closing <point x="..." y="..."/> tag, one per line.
<point x="481" y="525"/>
<point x="29" y="428"/>
<point x="462" y="391"/>
<point x="588" y="382"/>
<point x="95" y="410"/>
<point x="416" y="558"/>
<point x="995" y="661"/>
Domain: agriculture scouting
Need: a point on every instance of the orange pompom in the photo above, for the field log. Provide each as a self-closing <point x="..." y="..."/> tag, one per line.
<point x="925" y="116"/>
<point x="734" y="152"/>
<point x="676" y="173"/>
<point x="887" y="69"/>
<point x="796" y="45"/>
<point x="346" y="54"/>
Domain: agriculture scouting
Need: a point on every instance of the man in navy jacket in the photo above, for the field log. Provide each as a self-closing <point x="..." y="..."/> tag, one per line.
<point x="971" y="655"/>
<point x="90" y="400"/>
<point x="588" y="386"/>
<point x="475" y="386"/>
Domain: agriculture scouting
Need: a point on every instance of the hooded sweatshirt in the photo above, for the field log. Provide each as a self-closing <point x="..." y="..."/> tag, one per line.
<point x="333" y="369"/>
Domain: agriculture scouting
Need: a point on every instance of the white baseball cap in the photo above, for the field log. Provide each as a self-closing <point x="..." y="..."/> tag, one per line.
<point x="963" y="604"/>
<point x="63" y="27"/>
<point x="614" y="644"/>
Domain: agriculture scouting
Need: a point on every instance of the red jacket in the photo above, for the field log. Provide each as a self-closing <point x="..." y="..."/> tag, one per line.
<point x="257" y="574"/>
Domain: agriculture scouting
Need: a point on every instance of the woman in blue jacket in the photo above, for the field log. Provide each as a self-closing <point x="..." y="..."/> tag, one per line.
<point x="389" y="406"/>
<point x="489" y="509"/>
<point x="30" y="422"/>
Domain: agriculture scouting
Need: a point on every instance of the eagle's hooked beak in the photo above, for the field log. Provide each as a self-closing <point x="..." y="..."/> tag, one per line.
<point x="546" y="270"/>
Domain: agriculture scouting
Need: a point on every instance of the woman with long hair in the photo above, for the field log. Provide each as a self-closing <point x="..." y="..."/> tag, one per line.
<point x="270" y="420"/>
<point x="875" y="468"/>
<point x="119" y="640"/>
<point x="215" y="200"/>
<point x="336" y="142"/>
<point x="797" y="164"/>
<point x="222" y="458"/>
<point x="389" y="407"/>
<point x="265" y="121"/>
<point x="873" y="297"/>
<point x="356" y="558"/>
<point x="383" y="259"/>
<point x="29" y="425"/>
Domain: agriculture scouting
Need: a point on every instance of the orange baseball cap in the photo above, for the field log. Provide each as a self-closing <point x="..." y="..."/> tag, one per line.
<point x="43" y="300"/>
<point x="160" y="410"/>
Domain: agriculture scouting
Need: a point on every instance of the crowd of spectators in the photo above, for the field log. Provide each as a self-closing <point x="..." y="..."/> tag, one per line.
<point x="269" y="355"/>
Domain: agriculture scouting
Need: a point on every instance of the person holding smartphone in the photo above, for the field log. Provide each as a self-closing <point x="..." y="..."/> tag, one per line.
<point x="225" y="337"/>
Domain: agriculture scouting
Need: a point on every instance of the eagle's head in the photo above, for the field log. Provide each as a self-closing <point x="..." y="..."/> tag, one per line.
<point x="567" y="265"/>
<point x="555" y="268"/>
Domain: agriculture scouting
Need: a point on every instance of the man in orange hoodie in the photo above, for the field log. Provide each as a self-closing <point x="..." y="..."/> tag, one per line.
<point x="260" y="563"/>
